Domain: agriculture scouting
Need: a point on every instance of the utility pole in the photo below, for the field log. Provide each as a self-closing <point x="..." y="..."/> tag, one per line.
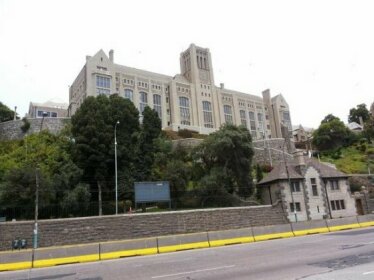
<point x="289" y="181"/>
<point x="35" y="241"/>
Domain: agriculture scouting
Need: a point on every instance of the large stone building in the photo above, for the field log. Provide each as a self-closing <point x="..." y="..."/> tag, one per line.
<point x="189" y="100"/>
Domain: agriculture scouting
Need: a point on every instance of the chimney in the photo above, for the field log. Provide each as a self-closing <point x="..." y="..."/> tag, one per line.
<point x="222" y="85"/>
<point x="88" y="58"/>
<point x="111" y="52"/>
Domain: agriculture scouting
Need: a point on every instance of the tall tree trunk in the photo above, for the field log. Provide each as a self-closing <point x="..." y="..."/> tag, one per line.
<point x="100" y="201"/>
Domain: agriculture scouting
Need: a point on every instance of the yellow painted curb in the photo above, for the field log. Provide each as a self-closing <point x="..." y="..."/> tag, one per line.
<point x="67" y="260"/>
<point x="366" y="224"/>
<point x="310" y="231"/>
<point x="15" y="266"/>
<point x="273" y="236"/>
<point x="337" y="228"/>
<point x="174" y="248"/>
<point x="128" y="253"/>
<point x="223" y="242"/>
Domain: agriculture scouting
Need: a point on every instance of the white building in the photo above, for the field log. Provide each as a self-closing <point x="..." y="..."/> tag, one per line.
<point x="189" y="100"/>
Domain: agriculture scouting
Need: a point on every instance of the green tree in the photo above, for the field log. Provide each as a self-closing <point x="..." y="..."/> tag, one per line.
<point x="331" y="134"/>
<point x="147" y="148"/>
<point x="6" y="114"/>
<point x="369" y="129"/>
<point x="356" y="113"/>
<point x="93" y="131"/>
<point x="329" y="118"/>
<point x="19" y="162"/>
<point x="229" y="153"/>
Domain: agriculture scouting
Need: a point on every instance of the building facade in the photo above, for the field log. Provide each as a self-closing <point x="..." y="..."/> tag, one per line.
<point x="189" y="100"/>
<point x="50" y="108"/>
<point x="309" y="190"/>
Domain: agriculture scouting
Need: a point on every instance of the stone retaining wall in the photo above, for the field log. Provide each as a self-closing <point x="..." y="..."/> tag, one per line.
<point x="129" y="226"/>
<point x="11" y="130"/>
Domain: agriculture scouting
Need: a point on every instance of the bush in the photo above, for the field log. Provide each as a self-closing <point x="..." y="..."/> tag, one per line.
<point x="186" y="133"/>
<point x="26" y="125"/>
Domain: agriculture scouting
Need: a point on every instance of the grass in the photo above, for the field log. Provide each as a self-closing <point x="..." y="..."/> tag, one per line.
<point x="353" y="160"/>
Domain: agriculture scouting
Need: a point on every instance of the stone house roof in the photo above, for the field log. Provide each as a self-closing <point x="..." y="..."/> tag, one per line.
<point x="279" y="172"/>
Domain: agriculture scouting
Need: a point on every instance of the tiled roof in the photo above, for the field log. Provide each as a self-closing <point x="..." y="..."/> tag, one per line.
<point x="279" y="171"/>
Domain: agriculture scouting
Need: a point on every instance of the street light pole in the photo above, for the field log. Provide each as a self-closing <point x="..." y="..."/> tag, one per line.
<point x="115" y="163"/>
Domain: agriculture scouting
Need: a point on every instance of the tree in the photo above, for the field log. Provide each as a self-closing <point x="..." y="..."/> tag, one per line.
<point x="93" y="131"/>
<point x="5" y="113"/>
<point x="329" y="118"/>
<point x="45" y="154"/>
<point x="356" y="113"/>
<point x="369" y="129"/>
<point x="226" y="155"/>
<point x="151" y="130"/>
<point x="331" y="134"/>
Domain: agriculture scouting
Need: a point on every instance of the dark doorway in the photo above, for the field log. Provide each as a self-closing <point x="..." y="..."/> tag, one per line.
<point x="360" y="209"/>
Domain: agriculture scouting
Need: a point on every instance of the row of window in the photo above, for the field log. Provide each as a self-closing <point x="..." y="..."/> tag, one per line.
<point x="335" y="206"/>
<point x="295" y="186"/>
<point x="182" y="89"/>
<point x="48" y="114"/>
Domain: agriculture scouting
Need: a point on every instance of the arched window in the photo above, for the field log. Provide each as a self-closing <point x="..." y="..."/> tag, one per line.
<point x="184" y="108"/>
<point x="143" y="101"/>
<point x="129" y="94"/>
<point x="228" y="114"/>
<point x="157" y="104"/>
<point x="207" y="113"/>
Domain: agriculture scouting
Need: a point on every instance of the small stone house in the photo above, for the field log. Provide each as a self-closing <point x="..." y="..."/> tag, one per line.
<point x="309" y="190"/>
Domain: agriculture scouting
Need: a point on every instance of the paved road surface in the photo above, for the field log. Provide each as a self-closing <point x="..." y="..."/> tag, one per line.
<point x="341" y="255"/>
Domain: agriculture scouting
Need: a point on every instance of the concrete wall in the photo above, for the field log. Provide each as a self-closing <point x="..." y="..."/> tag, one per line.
<point x="11" y="130"/>
<point x="129" y="226"/>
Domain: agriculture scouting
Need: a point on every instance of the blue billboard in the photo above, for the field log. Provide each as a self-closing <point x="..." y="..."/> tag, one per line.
<point x="152" y="191"/>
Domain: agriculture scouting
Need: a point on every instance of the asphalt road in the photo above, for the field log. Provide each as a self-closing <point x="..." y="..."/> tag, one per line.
<point x="341" y="255"/>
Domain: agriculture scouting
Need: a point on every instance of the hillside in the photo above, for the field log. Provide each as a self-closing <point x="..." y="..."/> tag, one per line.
<point x="356" y="159"/>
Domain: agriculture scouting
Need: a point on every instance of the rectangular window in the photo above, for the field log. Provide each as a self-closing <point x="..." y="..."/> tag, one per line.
<point x="295" y="205"/>
<point x="334" y="185"/>
<point x="184" y="108"/>
<point x="313" y="182"/>
<point x="228" y="114"/>
<point x="314" y="190"/>
<point x="207" y="114"/>
<point x="252" y="123"/>
<point x="54" y="115"/>
<point x="295" y="186"/>
<point x="337" y="205"/>
<point x="157" y="104"/>
<point x="102" y="85"/>
<point x="128" y="94"/>
<point x="243" y="119"/>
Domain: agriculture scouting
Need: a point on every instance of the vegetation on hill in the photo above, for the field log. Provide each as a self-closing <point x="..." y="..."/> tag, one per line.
<point x="76" y="173"/>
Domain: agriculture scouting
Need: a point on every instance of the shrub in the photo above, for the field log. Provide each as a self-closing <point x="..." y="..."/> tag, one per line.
<point x="186" y="133"/>
<point x="26" y="125"/>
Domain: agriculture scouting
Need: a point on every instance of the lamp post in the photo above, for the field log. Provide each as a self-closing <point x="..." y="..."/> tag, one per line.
<point x="115" y="163"/>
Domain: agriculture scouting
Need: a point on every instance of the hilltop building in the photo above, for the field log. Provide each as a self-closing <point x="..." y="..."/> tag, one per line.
<point x="51" y="108"/>
<point x="189" y="100"/>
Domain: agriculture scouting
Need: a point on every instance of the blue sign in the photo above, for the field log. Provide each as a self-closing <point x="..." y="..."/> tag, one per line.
<point x="152" y="191"/>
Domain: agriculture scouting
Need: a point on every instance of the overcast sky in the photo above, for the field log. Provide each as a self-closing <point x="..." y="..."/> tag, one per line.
<point x="318" y="54"/>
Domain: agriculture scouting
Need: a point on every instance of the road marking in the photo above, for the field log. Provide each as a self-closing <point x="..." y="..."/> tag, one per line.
<point x="193" y="271"/>
<point x="369" y="272"/>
